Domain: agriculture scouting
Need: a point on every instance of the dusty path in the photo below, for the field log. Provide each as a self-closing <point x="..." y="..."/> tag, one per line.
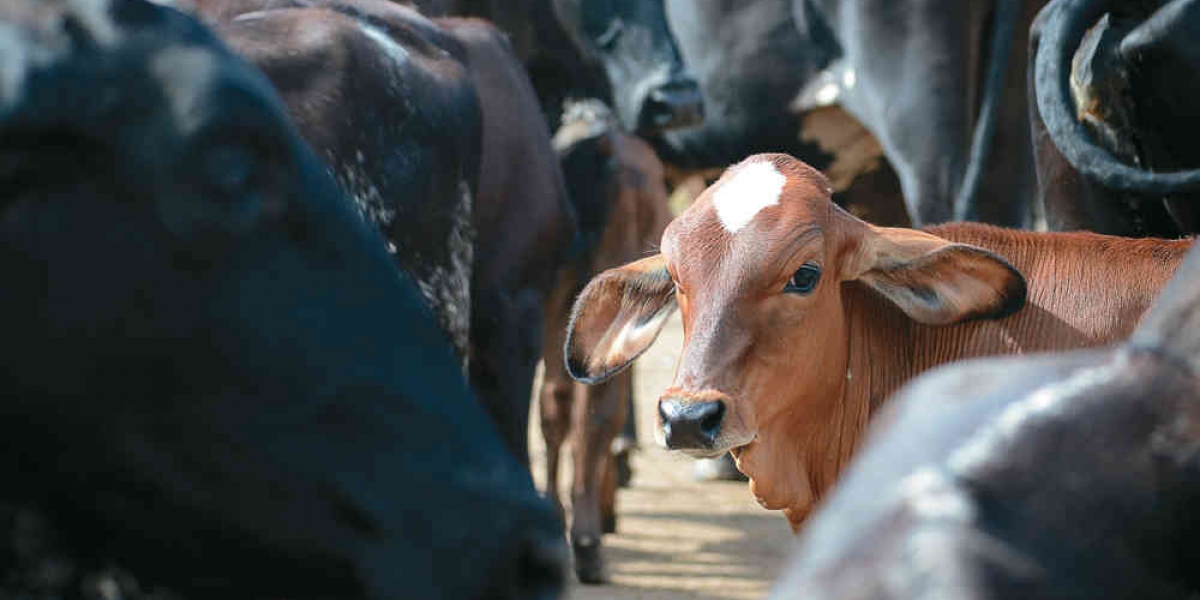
<point x="677" y="539"/>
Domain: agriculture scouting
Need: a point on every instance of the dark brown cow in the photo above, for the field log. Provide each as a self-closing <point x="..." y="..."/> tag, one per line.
<point x="1056" y="476"/>
<point x="391" y="108"/>
<point x="413" y="116"/>
<point x="799" y="319"/>
<point x="616" y="184"/>
<point x="1113" y="110"/>
<point x="524" y="225"/>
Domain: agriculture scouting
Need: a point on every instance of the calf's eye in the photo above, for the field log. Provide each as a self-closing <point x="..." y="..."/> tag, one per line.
<point x="804" y="281"/>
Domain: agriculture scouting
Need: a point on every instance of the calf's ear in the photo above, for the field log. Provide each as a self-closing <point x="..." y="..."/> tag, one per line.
<point x="933" y="280"/>
<point x="616" y="318"/>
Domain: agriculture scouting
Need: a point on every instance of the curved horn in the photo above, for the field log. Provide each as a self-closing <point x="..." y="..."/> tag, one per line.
<point x="1061" y="33"/>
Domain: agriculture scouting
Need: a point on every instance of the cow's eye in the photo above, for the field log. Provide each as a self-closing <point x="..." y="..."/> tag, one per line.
<point x="804" y="281"/>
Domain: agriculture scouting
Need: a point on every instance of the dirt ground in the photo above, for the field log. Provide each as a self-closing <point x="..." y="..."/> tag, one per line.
<point x="676" y="538"/>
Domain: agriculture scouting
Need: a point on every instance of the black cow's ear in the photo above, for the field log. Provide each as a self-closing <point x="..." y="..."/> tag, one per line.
<point x="616" y="318"/>
<point x="933" y="280"/>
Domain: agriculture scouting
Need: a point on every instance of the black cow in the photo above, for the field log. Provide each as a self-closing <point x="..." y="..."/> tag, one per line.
<point x="619" y="50"/>
<point x="213" y="372"/>
<point x="1053" y="476"/>
<point x="1114" y="116"/>
<point x="931" y="80"/>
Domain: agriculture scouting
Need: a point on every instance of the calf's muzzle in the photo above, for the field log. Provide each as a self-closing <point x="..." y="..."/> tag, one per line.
<point x="690" y="424"/>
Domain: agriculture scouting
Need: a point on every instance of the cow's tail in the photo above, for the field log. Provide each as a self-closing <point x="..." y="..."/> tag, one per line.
<point x="1061" y="33"/>
<point x="1004" y="26"/>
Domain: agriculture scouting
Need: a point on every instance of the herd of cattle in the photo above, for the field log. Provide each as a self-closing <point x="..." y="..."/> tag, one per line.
<point x="278" y="274"/>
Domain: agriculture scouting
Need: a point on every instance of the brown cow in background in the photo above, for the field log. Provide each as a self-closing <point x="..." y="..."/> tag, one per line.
<point x="800" y="319"/>
<point x="616" y="185"/>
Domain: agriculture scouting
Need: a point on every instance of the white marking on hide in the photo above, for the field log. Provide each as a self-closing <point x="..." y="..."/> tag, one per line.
<point x="849" y="78"/>
<point x="250" y="16"/>
<point x="394" y="50"/>
<point x="754" y="187"/>
<point x="931" y="495"/>
<point x="824" y="88"/>
<point x="996" y="436"/>
<point x="95" y="18"/>
<point x="12" y="70"/>
<point x="828" y="93"/>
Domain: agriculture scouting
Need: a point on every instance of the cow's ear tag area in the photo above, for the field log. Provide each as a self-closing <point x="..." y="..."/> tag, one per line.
<point x="936" y="281"/>
<point x="617" y="317"/>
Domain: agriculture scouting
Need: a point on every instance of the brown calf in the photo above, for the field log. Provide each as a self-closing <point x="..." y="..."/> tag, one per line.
<point x="616" y="185"/>
<point x="799" y="319"/>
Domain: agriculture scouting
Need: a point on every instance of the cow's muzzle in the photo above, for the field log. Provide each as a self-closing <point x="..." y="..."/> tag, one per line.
<point x="691" y="424"/>
<point x="673" y="104"/>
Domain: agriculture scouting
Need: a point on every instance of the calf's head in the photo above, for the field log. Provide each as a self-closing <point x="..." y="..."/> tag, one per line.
<point x="760" y="267"/>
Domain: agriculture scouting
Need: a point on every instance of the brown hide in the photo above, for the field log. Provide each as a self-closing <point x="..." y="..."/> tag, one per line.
<point x="798" y="374"/>
<point x="634" y="203"/>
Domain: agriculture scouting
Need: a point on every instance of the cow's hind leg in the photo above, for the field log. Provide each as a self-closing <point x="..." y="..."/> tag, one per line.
<point x="557" y="395"/>
<point x="597" y="419"/>
<point x="554" y="405"/>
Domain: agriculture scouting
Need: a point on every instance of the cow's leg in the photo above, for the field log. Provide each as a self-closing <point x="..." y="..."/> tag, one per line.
<point x="597" y="419"/>
<point x="624" y="445"/>
<point x="505" y="345"/>
<point x="554" y="404"/>
<point x="910" y="66"/>
<point x="557" y="395"/>
<point x="610" y="475"/>
<point x="608" y="495"/>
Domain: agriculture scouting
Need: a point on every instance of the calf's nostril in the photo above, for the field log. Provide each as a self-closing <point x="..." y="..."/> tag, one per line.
<point x="710" y="424"/>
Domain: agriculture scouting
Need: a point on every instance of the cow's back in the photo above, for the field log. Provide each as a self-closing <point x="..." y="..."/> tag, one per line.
<point x="1083" y="290"/>
<point x="388" y="104"/>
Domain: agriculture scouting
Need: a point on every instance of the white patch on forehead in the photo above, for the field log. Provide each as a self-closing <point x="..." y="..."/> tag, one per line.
<point x="395" y="51"/>
<point x="752" y="188"/>
<point x="1047" y="401"/>
<point x="182" y="73"/>
<point x="93" y="14"/>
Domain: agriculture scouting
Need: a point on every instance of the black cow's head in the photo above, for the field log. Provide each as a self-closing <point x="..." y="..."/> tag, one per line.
<point x="630" y="38"/>
<point x="211" y="370"/>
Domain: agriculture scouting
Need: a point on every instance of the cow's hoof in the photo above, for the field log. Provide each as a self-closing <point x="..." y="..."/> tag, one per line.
<point x="624" y="470"/>
<point x="718" y="469"/>
<point x="608" y="523"/>
<point x="589" y="564"/>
